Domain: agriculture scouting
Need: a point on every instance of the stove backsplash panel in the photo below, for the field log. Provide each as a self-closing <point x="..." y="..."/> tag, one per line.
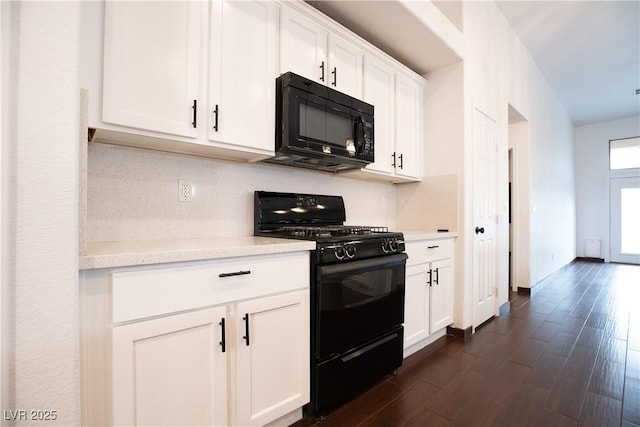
<point x="132" y="194"/>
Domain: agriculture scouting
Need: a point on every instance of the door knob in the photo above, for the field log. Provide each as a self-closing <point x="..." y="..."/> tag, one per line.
<point x="479" y="230"/>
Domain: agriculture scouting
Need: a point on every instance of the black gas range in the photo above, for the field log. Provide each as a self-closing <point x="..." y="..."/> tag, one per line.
<point x="321" y="218"/>
<point x="357" y="287"/>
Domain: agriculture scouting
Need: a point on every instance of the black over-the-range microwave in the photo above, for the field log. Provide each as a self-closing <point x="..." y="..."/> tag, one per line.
<point x="320" y="128"/>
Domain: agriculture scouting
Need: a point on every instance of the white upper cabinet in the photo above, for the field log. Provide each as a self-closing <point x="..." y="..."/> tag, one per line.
<point x="408" y="127"/>
<point x="379" y="92"/>
<point x="151" y="65"/>
<point x="242" y="74"/>
<point x="345" y="66"/>
<point x="309" y="49"/>
<point x="303" y="45"/>
<point x="397" y="96"/>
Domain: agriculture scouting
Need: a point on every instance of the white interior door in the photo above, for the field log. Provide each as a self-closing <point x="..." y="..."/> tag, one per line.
<point x="485" y="143"/>
<point x="625" y="226"/>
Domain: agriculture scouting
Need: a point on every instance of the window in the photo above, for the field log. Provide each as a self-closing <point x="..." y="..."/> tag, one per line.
<point x="624" y="153"/>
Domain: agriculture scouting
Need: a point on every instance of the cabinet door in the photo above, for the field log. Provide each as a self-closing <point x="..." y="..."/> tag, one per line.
<point x="416" y="314"/>
<point x="345" y="66"/>
<point x="303" y="46"/>
<point x="243" y="72"/>
<point x="441" y="294"/>
<point x="152" y="54"/>
<point x="379" y="92"/>
<point x="408" y="127"/>
<point x="272" y="369"/>
<point x="170" y="371"/>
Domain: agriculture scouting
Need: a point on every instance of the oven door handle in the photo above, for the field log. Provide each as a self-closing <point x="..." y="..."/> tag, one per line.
<point x="370" y="264"/>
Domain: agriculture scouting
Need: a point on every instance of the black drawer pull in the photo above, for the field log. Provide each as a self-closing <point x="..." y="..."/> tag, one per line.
<point x="223" y="343"/>
<point x="195" y="113"/>
<point x="215" y="118"/>
<point x="437" y="278"/>
<point x="246" y="328"/>
<point x="433" y="247"/>
<point x="235" y="273"/>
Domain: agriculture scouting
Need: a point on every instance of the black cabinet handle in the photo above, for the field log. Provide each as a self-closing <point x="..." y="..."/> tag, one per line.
<point x="322" y="71"/>
<point x="335" y="76"/>
<point x="479" y="230"/>
<point x="393" y="156"/>
<point x="429" y="281"/>
<point x="195" y="112"/>
<point x="215" y="118"/>
<point x="223" y="343"/>
<point x="235" y="273"/>
<point x="437" y="278"/>
<point x="246" y="328"/>
<point x="400" y="161"/>
<point x="433" y="247"/>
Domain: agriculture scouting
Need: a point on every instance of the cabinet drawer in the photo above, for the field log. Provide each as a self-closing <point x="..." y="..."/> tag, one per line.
<point x="420" y="252"/>
<point x="152" y="292"/>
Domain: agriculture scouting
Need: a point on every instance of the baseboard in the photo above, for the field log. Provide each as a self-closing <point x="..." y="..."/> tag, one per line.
<point x="524" y="290"/>
<point x="587" y="259"/>
<point x="460" y="333"/>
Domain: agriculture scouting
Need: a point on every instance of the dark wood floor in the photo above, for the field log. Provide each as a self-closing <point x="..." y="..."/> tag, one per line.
<point x="567" y="355"/>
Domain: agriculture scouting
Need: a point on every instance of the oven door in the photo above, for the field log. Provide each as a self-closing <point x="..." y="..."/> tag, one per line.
<point x="357" y="301"/>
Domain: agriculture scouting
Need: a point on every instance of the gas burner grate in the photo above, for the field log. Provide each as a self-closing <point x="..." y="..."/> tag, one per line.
<point x="329" y="231"/>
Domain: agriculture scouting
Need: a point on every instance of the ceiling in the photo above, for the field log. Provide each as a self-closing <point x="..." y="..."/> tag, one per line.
<point x="589" y="51"/>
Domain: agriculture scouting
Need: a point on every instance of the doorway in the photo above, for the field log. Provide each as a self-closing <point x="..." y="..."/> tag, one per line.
<point x="625" y="227"/>
<point x="520" y="208"/>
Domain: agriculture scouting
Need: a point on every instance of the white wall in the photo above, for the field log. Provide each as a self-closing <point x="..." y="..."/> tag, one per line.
<point x="4" y="205"/>
<point x="44" y="284"/>
<point x="502" y="72"/>
<point x="592" y="179"/>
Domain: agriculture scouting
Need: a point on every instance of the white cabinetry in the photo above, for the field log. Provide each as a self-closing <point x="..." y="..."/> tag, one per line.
<point x="190" y="77"/>
<point x="429" y="289"/>
<point x="170" y="371"/>
<point x="242" y="75"/>
<point x="272" y="360"/>
<point x="151" y="71"/>
<point x="408" y="127"/>
<point x="198" y="78"/>
<point x="222" y="342"/>
<point x="379" y="91"/>
<point x="397" y="97"/>
<point x="309" y="49"/>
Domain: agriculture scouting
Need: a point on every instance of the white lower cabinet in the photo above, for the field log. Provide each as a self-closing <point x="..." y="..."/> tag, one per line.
<point x="272" y="358"/>
<point x="428" y="290"/>
<point x="170" y="371"/>
<point x="416" y="317"/>
<point x="212" y="343"/>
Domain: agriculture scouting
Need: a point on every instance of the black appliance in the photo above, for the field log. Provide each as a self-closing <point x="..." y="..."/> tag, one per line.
<point x="320" y="128"/>
<point x="357" y="293"/>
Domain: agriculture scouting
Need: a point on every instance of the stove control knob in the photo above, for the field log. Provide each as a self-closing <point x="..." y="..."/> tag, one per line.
<point x="340" y="253"/>
<point x="350" y="251"/>
<point x="389" y="246"/>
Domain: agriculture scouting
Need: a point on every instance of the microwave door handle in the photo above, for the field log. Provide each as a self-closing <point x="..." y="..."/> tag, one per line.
<point x="360" y="129"/>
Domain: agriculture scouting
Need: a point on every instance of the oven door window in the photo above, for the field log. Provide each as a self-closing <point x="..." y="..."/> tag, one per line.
<point x="357" y="302"/>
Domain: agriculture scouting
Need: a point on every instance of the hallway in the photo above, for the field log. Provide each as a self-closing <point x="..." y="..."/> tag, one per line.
<point x="568" y="355"/>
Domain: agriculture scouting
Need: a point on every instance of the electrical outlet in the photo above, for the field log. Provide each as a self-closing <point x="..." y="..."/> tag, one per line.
<point x="185" y="191"/>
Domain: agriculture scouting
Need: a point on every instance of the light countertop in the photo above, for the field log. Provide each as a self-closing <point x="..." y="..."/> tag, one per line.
<point x="120" y="254"/>
<point x="427" y="235"/>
